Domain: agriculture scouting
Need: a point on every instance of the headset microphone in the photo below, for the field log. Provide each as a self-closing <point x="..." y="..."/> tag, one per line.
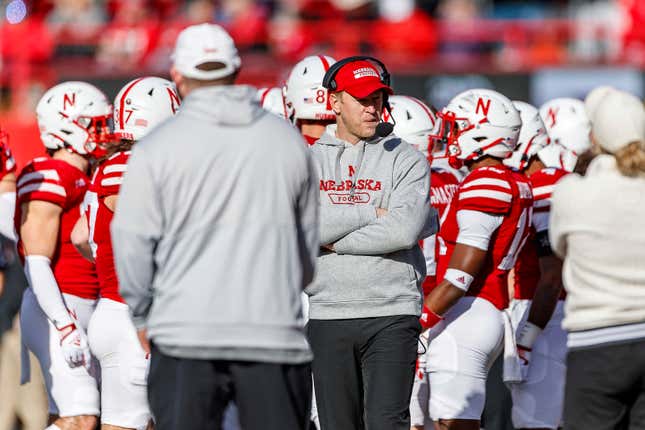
<point x="384" y="129"/>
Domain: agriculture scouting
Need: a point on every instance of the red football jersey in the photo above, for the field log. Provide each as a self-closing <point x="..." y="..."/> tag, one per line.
<point x="499" y="191"/>
<point x="310" y="139"/>
<point x="527" y="267"/>
<point x="106" y="182"/>
<point x="58" y="182"/>
<point x="7" y="163"/>
<point x="443" y="185"/>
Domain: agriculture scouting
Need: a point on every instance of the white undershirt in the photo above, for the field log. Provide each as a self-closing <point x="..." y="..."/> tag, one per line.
<point x="476" y="228"/>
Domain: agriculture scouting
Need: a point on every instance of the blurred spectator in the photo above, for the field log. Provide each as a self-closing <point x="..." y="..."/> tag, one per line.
<point x="354" y="9"/>
<point x="403" y="29"/>
<point x="603" y="273"/>
<point x="26" y="41"/>
<point x="81" y="19"/>
<point x="245" y="20"/>
<point x="634" y="30"/>
<point x="459" y="26"/>
<point x="289" y="37"/>
<point x="310" y="9"/>
<point x="597" y="30"/>
<point x="195" y="12"/>
<point x="128" y="40"/>
<point x="199" y="11"/>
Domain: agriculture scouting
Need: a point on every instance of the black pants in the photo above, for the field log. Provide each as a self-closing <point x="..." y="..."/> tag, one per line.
<point x="188" y="394"/>
<point x="363" y="371"/>
<point x="605" y="388"/>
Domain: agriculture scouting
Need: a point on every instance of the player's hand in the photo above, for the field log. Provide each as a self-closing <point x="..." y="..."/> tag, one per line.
<point x="428" y="318"/>
<point x="76" y="349"/>
<point x="142" y="334"/>
<point x="524" y="354"/>
<point x="328" y="247"/>
<point x="422" y="343"/>
<point x="526" y="337"/>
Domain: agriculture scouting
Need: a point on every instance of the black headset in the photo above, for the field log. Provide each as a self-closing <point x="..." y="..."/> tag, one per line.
<point x="329" y="81"/>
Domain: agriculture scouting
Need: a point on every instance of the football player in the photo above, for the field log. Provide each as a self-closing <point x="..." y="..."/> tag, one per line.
<point x="569" y="130"/>
<point x="272" y="99"/>
<point x="7" y="187"/>
<point x="141" y="105"/>
<point x="541" y="341"/>
<point x="414" y="122"/>
<point x="309" y="109"/>
<point x="307" y="101"/>
<point x="485" y="227"/>
<point x="74" y="119"/>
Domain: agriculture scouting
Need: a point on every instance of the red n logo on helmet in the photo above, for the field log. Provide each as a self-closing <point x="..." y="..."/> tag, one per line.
<point x="174" y="100"/>
<point x="484" y="107"/>
<point x="67" y="99"/>
<point x="552" y="115"/>
<point x="386" y="114"/>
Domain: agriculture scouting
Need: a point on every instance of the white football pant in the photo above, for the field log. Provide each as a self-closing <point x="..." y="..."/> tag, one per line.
<point x="70" y="391"/>
<point x="462" y="349"/>
<point x="124" y="366"/>
<point x="538" y="402"/>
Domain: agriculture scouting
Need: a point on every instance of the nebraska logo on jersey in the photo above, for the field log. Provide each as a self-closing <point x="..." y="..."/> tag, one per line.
<point x="442" y="195"/>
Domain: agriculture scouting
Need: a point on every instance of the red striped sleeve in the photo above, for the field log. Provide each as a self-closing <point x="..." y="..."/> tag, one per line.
<point x="110" y="177"/>
<point x="486" y="190"/>
<point x="41" y="183"/>
<point x="543" y="183"/>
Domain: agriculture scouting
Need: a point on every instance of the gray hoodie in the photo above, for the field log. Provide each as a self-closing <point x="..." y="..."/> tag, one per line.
<point x="216" y="231"/>
<point x="377" y="267"/>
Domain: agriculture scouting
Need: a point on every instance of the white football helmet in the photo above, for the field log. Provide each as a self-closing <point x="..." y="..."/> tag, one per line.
<point x="305" y="97"/>
<point x="75" y="115"/>
<point x="476" y="123"/>
<point x="413" y="121"/>
<point x="569" y="130"/>
<point x="143" y="104"/>
<point x="533" y="136"/>
<point x="272" y="100"/>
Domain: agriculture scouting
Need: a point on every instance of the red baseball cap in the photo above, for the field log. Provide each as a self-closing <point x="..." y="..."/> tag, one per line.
<point x="360" y="79"/>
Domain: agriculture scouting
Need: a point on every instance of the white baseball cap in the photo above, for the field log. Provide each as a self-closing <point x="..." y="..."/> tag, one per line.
<point x="205" y="43"/>
<point x="619" y="121"/>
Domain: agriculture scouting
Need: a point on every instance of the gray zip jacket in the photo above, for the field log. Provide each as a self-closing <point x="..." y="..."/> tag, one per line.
<point x="216" y="231"/>
<point x="377" y="266"/>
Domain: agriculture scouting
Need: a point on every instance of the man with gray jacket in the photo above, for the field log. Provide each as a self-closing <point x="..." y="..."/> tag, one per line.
<point x="215" y="237"/>
<point x="366" y="299"/>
